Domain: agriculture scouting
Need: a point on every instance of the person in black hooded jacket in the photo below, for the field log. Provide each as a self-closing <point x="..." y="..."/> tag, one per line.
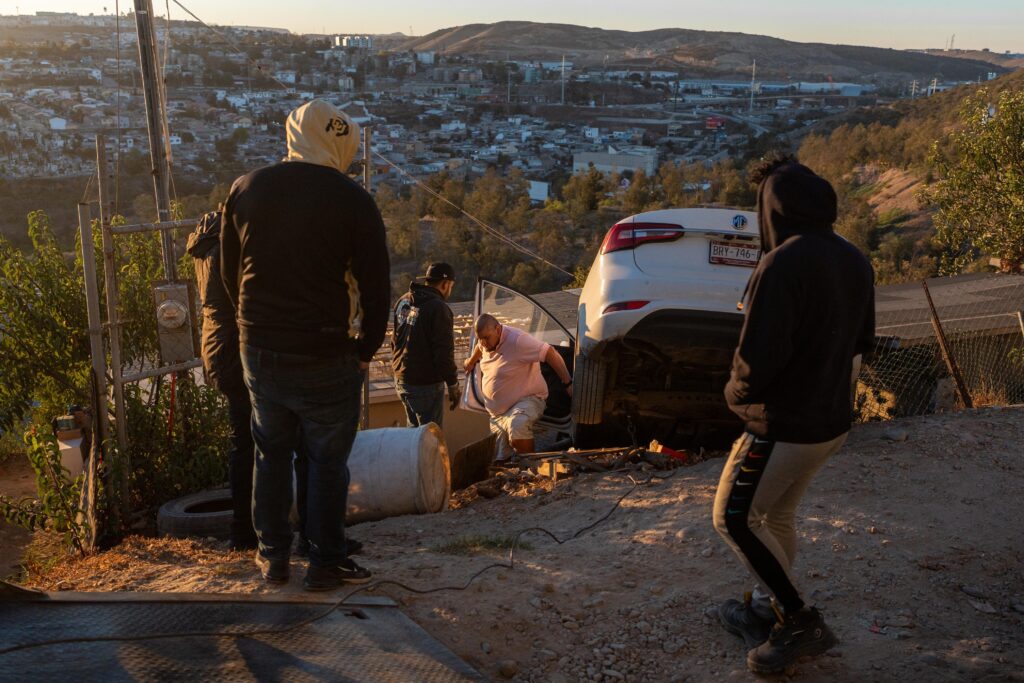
<point x="808" y="319"/>
<point x="423" y="347"/>
<point x="223" y="365"/>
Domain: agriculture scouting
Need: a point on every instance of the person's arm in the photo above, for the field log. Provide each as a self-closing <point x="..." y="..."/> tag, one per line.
<point x="230" y="252"/>
<point x="866" y="339"/>
<point x="554" y="359"/>
<point x="473" y="359"/>
<point x="371" y="268"/>
<point x="766" y="341"/>
<point x="442" y="346"/>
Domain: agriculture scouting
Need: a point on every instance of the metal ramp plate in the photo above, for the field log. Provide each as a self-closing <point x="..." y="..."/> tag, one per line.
<point x="366" y="640"/>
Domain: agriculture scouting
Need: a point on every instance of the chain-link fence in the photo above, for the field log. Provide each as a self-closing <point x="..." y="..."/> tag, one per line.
<point x="980" y="316"/>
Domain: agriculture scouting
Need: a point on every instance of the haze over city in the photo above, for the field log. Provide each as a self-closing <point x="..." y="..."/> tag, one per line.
<point x="992" y="24"/>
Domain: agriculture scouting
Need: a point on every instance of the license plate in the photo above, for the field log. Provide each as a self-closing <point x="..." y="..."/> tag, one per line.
<point x="731" y="254"/>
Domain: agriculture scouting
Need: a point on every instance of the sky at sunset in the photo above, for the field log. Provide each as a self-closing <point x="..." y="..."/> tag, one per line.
<point x="994" y="24"/>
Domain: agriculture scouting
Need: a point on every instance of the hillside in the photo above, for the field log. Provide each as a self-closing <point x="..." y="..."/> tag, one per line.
<point x="698" y="53"/>
<point x="897" y="549"/>
<point x="1005" y="61"/>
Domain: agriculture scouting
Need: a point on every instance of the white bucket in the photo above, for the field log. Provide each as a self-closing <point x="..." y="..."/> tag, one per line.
<point x="395" y="471"/>
<point x="398" y="471"/>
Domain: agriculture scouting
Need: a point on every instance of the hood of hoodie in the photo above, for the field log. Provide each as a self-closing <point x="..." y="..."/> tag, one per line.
<point x="794" y="200"/>
<point x="423" y="293"/>
<point x="205" y="237"/>
<point x="320" y="133"/>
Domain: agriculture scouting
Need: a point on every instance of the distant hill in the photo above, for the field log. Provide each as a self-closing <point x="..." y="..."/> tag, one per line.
<point x="699" y="53"/>
<point x="1005" y="61"/>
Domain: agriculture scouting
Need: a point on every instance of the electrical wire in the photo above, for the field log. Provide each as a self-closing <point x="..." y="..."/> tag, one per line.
<point x="232" y="43"/>
<point x="488" y="229"/>
<point x="510" y="564"/>
<point x="497" y="234"/>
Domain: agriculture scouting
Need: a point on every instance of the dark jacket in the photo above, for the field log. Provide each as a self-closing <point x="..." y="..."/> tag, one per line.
<point x="221" y="357"/>
<point x="811" y="309"/>
<point x="423" y="344"/>
<point x="304" y="257"/>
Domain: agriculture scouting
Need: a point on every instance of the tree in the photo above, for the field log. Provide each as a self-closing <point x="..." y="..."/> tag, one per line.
<point x="979" y="187"/>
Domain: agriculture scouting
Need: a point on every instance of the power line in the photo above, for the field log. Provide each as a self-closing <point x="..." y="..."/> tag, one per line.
<point x="232" y="43"/>
<point x="492" y="231"/>
<point x="486" y="228"/>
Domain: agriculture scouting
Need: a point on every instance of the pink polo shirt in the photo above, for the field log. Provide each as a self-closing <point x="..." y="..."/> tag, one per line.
<point x="512" y="371"/>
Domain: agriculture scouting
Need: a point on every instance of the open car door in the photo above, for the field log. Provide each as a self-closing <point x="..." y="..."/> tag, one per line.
<point x="512" y="307"/>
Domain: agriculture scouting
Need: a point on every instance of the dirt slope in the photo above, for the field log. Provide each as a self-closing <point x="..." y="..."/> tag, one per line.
<point x="912" y="545"/>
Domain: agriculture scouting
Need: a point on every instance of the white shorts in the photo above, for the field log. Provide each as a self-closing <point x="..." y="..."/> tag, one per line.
<point x="516" y="423"/>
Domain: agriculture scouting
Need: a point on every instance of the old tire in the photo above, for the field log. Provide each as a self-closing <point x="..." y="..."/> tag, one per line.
<point x="201" y="515"/>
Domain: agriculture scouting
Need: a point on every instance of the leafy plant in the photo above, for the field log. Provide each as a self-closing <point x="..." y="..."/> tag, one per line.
<point x="57" y="508"/>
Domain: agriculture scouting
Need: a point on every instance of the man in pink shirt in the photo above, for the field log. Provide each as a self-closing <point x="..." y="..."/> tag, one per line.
<point x="514" y="391"/>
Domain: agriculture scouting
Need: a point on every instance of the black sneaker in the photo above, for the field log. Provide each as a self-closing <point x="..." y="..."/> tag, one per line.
<point x="352" y="547"/>
<point x="740" y="619"/>
<point x="802" y="634"/>
<point x="273" y="570"/>
<point x="328" y="578"/>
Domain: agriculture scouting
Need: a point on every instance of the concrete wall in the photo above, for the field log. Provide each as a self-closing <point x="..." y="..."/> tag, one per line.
<point x="461" y="427"/>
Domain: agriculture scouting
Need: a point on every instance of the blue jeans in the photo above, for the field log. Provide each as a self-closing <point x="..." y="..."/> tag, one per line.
<point x="313" y="401"/>
<point x="423" y="403"/>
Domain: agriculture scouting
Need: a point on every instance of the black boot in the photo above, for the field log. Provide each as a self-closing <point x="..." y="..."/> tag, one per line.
<point x="740" y="619"/>
<point x="801" y="634"/>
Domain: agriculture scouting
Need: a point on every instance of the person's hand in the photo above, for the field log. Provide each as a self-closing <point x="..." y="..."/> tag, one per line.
<point x="364" y="366"/>
<point x="454" y="396"/>
<point x="469" y="364"/>
<point x="568" y="389"/>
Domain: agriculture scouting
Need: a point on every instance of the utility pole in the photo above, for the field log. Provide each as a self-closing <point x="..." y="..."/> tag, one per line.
<point x="753" y="75"/>
<point x="153" y="91"/>
<point x="913" y="89"/>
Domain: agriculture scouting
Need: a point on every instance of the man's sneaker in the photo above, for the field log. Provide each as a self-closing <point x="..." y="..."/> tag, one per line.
<point x="273" y="570"/>
<point x="328" y="578"/>
<point x="802" y="634"/>
<point x="740" y="619"/>
<point x="352" y="547"/>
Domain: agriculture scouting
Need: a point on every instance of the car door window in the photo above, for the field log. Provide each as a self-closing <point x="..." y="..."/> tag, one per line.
<point x="515" y="309"/>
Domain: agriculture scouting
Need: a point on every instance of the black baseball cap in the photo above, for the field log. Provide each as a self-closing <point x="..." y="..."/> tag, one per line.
<point x="439" y="271"/>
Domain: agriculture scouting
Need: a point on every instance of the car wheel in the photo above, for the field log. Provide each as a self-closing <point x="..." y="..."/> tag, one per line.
<point x="201" y="515"/>
<point x="588" y="390"/>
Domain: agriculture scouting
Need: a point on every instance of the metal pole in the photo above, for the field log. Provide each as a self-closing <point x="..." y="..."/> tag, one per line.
<point x="154" y="123"/>
<point x="364" y="413"/>
<point x="947" y="352"/>
<point x="92" y="302"/>
<point x="1020" y="320"/>
<point x="104" y="174"/>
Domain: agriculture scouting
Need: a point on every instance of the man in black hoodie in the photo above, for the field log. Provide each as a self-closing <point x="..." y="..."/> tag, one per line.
<point x="809" y="315"/>
<point x="304" y="259"/>
<point x="223" y="367"/>
<point x="423" y="347"/>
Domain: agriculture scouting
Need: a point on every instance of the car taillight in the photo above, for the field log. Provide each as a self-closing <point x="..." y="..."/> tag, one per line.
<point x="626" y="306"/>
<point x="632" y="235"/>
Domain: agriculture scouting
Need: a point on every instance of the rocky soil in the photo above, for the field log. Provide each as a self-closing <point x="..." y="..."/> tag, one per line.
<point x="911" y="545"/>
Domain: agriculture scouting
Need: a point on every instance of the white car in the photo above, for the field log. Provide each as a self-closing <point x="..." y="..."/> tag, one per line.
<point x="659" y="319"/>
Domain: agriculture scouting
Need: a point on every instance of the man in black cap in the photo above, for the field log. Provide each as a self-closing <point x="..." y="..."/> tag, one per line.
<point x="423" y="347"/>
<point x="809" y="315"/>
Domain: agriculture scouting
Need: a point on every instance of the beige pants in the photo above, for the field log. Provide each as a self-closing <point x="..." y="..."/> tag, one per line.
<point x="515" y="423"/>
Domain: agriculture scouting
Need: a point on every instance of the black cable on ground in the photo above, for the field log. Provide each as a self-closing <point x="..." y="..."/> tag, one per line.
<point x="510" y="564"/>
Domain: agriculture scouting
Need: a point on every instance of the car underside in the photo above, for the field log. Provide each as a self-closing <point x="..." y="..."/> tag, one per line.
<point x="664" y="380"/>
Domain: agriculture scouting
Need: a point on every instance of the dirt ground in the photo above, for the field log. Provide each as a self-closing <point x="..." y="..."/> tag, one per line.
<point x="911" y="545"/>
<point x="16" y="481"/>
